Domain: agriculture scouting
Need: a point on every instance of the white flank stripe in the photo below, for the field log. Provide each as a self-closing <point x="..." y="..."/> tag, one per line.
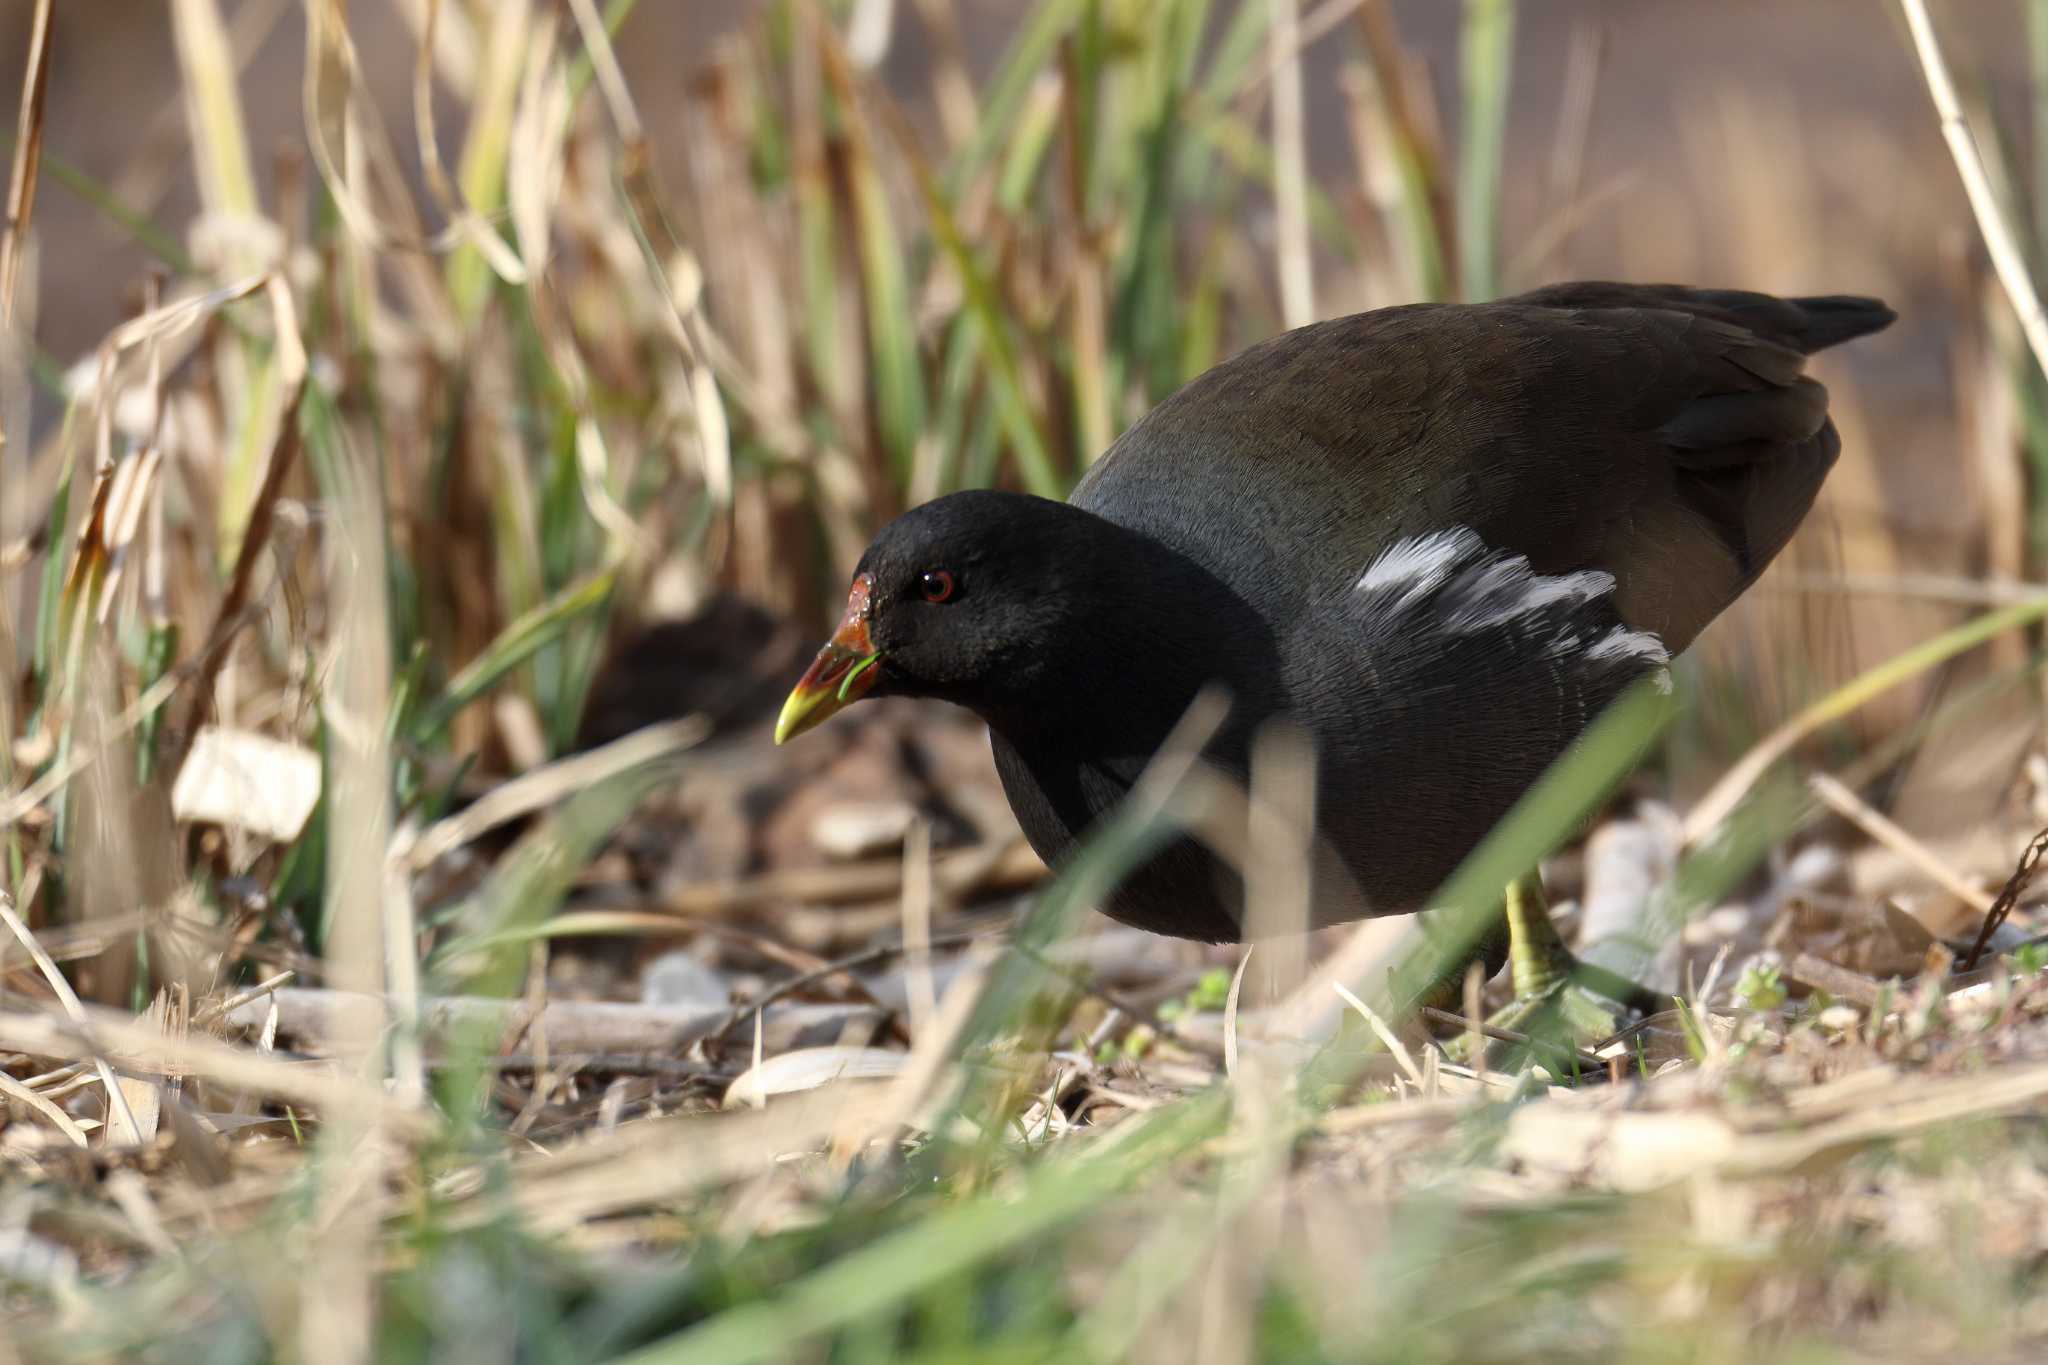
<point x="1420" y="563"/>
<point x="1482" y="591"/>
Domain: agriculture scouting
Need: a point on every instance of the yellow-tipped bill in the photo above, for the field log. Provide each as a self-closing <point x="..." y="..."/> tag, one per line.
<point x="841" y="674"/>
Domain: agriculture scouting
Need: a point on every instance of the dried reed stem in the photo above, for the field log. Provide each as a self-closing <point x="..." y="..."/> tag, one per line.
<point x="42" y="1104"/>
<point x="1290" y="170"/>
<point x="1874" y="823"/>
<point x="1722" y="798"/>
<point x="28" y="153"/>
<point x="2006" y="257"/>
<point x="284" y="452"/>
<point x="68" y="998"/>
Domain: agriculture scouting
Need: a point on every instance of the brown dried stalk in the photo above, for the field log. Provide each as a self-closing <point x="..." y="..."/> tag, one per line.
<point x="28" y="155"/>
<point x="2016" y="884"/>
<point x="2006" y="257"/>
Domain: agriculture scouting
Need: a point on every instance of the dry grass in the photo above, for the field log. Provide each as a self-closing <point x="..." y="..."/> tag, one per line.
<point x="389" y="463"/>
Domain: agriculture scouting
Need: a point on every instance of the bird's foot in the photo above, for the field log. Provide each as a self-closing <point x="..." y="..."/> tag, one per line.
<point x="1561" y="1005"/>
<point x="1553" y="1027"/>
<point x="1558" y="1025"/>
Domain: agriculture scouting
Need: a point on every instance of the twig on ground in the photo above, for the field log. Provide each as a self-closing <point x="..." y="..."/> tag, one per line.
<point x="866" y="957"/>
<point x="256" y="992"/>
<point x="1005" y="866"/>
<point x="603" y="1063"/>
<point x="1118" y="1001"/>
<point x="2008" y="896"/>
<point x="1821" y="974"/>
<point x="1586" y="1061"/>
<point x="567" y="1026"/>
<point x="102" y="1033"/>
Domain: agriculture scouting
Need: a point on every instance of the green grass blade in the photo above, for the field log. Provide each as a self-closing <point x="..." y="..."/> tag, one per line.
<point x="487" y="141"/>
<point x="1716" y="805"/>
<point x="519" y="641"/>
<point x="523" y="890"/>
<point x="959" y="388"/>
<point x="909" y="1263"/>
<point x="212" y="89"/>
<point x="529" y="881"/>
<point x="896" y="361"/>
<point x="2037" y="76"/>
<point x="1148" y="286"/>
<point x="1029" y="53"/>
<point x="137" y="226"/>
<point x="1487" y="64"/>
<point x="1013" y="406"/>
<point x="1252" y="157"/>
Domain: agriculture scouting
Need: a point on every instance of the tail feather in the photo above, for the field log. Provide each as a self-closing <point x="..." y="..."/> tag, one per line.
<point x="1804" y="324"/>
<point x="1831" y="319"/>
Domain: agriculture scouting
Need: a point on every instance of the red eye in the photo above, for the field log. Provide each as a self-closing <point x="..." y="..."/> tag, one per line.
<point x="937" y="585"/>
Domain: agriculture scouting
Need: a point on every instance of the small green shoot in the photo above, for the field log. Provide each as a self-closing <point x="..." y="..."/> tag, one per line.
<point x="2029" y="959"/>
<point x="1761" y="987"/>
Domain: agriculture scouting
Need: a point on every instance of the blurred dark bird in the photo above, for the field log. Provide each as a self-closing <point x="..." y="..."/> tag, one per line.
<point x="1439" y="538"/>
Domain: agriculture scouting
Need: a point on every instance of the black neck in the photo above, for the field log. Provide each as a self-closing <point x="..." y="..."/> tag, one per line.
<point x="1118" y="679"/>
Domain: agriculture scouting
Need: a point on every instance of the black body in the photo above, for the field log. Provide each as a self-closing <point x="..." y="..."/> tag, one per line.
<point x="1439" y="537"/>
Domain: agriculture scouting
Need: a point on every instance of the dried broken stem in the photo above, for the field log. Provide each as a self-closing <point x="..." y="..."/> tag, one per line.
<point x="1874" y="823"/>
<point x="68" y="998"/>
<point x="2008" y="896"/>
<point x="2006" y="257"/>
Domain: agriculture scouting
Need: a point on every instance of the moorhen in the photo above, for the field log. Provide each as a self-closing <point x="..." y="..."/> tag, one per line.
<point x="1439" y="537"/>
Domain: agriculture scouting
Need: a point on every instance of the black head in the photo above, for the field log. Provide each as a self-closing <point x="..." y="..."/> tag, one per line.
<point x="977" y="598"/>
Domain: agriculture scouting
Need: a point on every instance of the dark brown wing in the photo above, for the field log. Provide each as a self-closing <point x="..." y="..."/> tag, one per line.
<point x="1665" y="435"/>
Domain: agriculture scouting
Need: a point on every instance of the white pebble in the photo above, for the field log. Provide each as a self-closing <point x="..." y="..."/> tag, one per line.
<point x="861" y="829"/>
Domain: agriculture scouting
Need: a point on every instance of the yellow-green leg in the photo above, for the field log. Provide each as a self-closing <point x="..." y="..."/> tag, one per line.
<point x="1550" y="988"/>
<point x="1557" y="997"/>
